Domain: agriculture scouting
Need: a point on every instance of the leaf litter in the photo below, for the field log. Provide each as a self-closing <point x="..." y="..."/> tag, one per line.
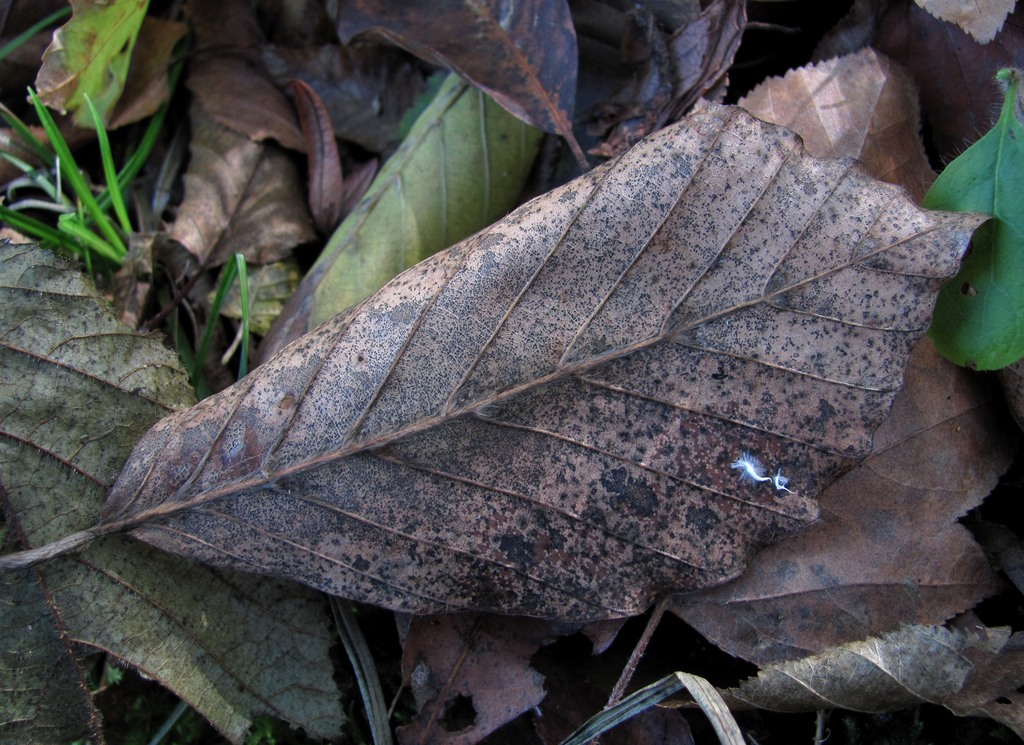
<point x="193" y="629"/>
<point x="309" y="441"/>
<point x="309" y="28"/>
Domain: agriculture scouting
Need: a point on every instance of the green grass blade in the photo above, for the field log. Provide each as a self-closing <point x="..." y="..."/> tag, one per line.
<point x="37" y="229"/>
<point x="26" y="134"/>
<point x="17" y="162"/>
<point x="243" y="289"/>
<point x="73" y="225"/>
<point x="32" y="30"/>
<point x="69" y="168"/>
<point x="141" y="155"/>
<point x="196" y="371"/>
<point x="109" y="171"/>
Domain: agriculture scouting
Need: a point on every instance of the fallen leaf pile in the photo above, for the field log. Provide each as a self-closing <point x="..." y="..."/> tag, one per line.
<point x="554" y="343"/>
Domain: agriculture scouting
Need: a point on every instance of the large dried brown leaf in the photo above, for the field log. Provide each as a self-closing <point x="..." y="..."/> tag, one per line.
<point x="971" y="671"/>
<point x="542" y="419"/>
<point x="240" y="196"/>
<point x="888" y="550"/>
<point x="860" y="106"/>
<point x="523" y="54"/>
<point x="227" y="76"/>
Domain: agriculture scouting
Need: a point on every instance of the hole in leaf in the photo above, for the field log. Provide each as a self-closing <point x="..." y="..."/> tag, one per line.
<point x="968" y="289"/>
<point x="459" y="714"/>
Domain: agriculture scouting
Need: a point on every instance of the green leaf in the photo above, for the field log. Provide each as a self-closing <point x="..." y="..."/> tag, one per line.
<point x="78" y="389"/>
<point x="89" y="56"/>
<point x="979" y="316"/>
<point x="462" y="166"/>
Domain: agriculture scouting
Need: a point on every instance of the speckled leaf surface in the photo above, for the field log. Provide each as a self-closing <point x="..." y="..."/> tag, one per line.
<point x="77" y="390"/>
<point x="542" y="419"/>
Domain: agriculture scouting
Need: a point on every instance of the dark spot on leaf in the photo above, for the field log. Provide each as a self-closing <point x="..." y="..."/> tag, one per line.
<point x="702" y="518"/>
<point x="517" y="549"/>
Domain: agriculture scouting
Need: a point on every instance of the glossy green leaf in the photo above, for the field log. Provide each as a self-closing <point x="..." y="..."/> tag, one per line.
<point x="77" y="390"/>
<point x="462" y="166"/>
<point x="90" y="56"/>
<point x="979" y="316"/>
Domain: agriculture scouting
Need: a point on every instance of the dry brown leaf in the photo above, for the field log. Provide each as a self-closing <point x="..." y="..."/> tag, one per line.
<point x="982" y="19"/>
<point x="859" y="106"/>
<point x="953" y="73"/>
<point x="146" y="87"/>
<point x="470" y="674"/>
<point x="965" y="670"/>
<point x="522" y="54"/>
<point x="227" y="77"/>
<point x="326" y="184"/>
<point x="367" y="88"/>
<point x="888" y="550"/>
<point x="675" y="70"/>
<point x="542" y="420"/>
<point x="240" y="196"/>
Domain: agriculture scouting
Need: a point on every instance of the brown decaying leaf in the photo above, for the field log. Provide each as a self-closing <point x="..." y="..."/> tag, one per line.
<point x="240" y="196"/>
<point x="677" y="70"/>
<point x="227" y="77"/>
<point x="542" y="419"/>
<point x="478" y="663"/>
<point x="146" y="87"/>
<point x="326" y="185"/>
<point x="964" y="669"/>
<point x="498" y="48"/>
<point x="982" y="19"/>
<point x="888" y="550"/>
<point x="953" y="73"/>
<point x="859" y="106"/>
<point x="133" y="281"/>
<point x="366" y="88"/>
<point x="1012" y="380"/>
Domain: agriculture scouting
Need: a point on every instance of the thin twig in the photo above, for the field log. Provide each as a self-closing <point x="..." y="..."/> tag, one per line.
<point x="638" y="652"/>
<point x="159" y="318"/>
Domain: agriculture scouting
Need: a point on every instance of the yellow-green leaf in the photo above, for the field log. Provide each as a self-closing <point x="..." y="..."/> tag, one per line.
<point x="462" y="166"/>
<point x="89" y="56"/>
